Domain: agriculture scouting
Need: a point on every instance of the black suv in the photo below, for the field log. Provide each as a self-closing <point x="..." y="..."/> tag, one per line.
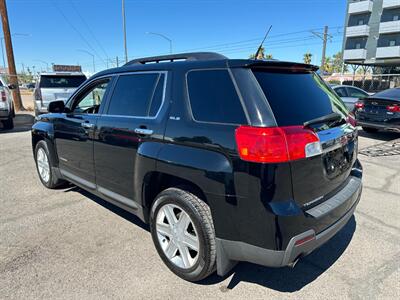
<point x="227" y="160"/>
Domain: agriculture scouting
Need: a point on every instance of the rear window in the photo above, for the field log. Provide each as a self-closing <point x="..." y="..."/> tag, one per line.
<point x="61" y="81"/>
<point x="298" y="97"/>
<point x="213" y="97"/>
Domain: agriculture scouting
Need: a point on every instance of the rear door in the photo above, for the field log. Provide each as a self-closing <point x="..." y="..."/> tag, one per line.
<point x="134" y="119"/>
<point x="296" y="97"/>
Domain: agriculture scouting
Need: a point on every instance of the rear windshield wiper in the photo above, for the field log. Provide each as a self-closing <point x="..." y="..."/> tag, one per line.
<point x="324" y="119"/>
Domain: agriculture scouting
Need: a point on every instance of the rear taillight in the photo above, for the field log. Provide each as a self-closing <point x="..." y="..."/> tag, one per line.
<point x="351" y="120"/>
<point x="276" y="144"/>
<point x="393" y="108"/>
<point x="3" y="96"/>
<point x="38" y="94"/>
<point x="359" y="105"/>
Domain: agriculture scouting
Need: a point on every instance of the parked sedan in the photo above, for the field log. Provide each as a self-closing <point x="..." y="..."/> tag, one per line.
<point x="349" y="94"/>
<point x="380" y="111"/>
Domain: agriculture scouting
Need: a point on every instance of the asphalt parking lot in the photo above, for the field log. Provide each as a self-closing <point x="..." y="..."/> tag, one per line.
<point x="69" y="244"/>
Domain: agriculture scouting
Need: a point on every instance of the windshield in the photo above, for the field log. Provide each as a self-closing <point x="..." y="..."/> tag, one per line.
<point x="298" y="97"/>
<point x="61" y="81"/>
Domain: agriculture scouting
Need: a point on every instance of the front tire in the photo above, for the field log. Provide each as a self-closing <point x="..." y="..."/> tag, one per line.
<point x="45" y="167"/>
<point x="183" y="234"/>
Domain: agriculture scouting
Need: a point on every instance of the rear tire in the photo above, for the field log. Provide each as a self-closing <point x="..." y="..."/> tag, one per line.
<point x="197" y="239"/>
<point x="369" y="129"/>
<point x="45" y="167"/>
<point x="9" y="123"/>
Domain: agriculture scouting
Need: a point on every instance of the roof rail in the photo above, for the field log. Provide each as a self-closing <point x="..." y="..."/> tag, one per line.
<point x="181" y="56"/>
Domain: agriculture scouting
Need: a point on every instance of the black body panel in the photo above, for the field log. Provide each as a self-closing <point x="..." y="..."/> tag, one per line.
<point x="262" y="204"/>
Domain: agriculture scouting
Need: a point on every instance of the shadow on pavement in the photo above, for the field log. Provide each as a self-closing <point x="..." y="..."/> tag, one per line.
<point x="22" y="122"/>
<point x="380" y="135"/>
<point x="280" y="279"/>
<point x="111" y="207"/>
<point x="287" y="279"/>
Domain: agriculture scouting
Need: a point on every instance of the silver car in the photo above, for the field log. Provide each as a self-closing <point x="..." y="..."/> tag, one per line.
<point x="55" y="86"/>
<point x="7" y="112"/>
<point x="349" y="94"/>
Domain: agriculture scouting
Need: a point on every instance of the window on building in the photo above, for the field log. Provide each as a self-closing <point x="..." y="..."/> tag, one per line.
<point x="358" y="46"/>
<point x="360" y="22"/>
<point x="392" y="43"/>
<point x="396" y="17"/>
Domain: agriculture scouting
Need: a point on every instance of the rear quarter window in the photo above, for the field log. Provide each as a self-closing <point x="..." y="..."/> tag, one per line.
<point x="213" y="97"/>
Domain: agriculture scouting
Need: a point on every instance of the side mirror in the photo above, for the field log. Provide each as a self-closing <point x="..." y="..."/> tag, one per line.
<point x="56" y="106"/>
<point x="12" y="86"/>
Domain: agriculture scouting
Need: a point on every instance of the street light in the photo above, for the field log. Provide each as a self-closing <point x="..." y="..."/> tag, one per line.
<point x="164" y="37"/>
<point x="43" y="62"/>
<point x="2" y="45"/>
<point x="92" y="55"/>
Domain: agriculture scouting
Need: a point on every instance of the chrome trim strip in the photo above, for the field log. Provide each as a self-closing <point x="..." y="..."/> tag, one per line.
<point x="117" y="197"/>
<point x="78" y="179"/>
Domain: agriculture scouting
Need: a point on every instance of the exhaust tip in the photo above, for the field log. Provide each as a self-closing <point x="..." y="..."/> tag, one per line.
<point x="294" y="263"/>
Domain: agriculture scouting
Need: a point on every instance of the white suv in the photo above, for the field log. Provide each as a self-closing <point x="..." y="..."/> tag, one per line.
<point x="7" y="112"/>
<point x="55" y="86"/>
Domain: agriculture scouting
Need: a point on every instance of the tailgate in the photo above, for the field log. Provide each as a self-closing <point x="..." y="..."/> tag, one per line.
<point x="302" y="98"/>
<point x="317" y="178"/>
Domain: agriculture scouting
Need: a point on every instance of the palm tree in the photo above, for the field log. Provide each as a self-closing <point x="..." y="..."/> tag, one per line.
<point x="307" y="58"/>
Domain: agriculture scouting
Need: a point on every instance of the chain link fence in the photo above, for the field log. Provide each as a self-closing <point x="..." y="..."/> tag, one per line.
<point x="371" y="83"/>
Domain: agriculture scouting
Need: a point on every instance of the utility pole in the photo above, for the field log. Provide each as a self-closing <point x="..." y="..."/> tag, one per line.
<point x="124" y="29"/>
<point x="325" y="40"/>
<point x="10" y="57"/>
<point x="324" y="37"/>
<point x="117" y="61"/>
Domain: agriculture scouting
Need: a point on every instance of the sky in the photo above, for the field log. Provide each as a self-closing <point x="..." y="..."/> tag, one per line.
<point x="63" y="31"/>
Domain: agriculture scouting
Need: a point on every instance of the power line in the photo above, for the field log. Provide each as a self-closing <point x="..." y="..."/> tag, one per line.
<point x="76" y="30"/>
<point x="89" y="29"/>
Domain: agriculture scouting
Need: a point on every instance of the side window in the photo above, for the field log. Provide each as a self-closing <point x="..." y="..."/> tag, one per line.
<point x="90" y="102"/>
<point x="213" y="97"/>
<point x="137" y="95"/>
<point x="341" y="92"/>
<point x="354" y="93"/>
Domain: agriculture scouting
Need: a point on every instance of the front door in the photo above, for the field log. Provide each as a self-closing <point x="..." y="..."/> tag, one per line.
<point x="74" y="133"/>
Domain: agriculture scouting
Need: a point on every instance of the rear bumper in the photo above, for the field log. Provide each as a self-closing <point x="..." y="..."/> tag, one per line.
<point x="4" y="114"/>
<point x="382" y="126"/>
<point x="230" y="252"/>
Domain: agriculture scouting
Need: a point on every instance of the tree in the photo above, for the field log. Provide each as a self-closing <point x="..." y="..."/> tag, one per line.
<point x="261" y="55"/>
<point x="337" y="63"/>
<point x="269" y="56"/>
<point x="307" y="58"/>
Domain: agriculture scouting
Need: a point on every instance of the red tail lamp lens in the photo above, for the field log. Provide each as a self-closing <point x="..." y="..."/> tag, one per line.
<point x="393" y="108"/>
<point x="359" y="105"/>
<point x="276" y="144"/>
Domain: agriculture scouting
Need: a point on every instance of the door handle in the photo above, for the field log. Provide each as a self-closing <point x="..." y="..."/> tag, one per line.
<point x="87" y="125"/>
<point x="143" y="131"/>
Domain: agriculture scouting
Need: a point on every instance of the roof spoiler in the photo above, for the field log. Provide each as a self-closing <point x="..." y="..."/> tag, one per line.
<point x="174" y="57"/>
<point x="273" y="64"/>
